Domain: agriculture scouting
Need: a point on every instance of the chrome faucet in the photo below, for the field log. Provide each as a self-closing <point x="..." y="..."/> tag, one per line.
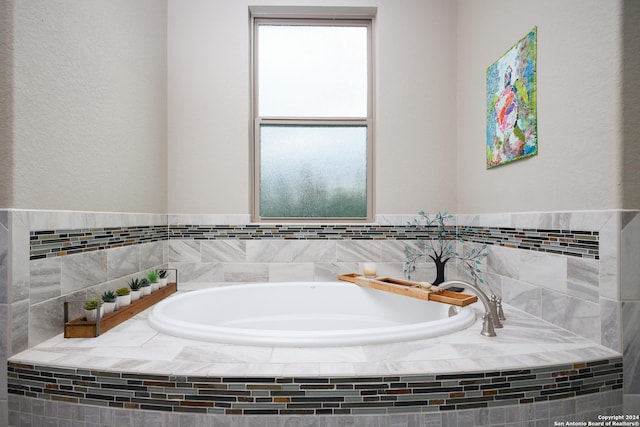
<point x="490" y="319"/>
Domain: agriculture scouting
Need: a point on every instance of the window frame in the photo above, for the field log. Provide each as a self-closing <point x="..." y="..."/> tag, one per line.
<point x="258" y="120"/>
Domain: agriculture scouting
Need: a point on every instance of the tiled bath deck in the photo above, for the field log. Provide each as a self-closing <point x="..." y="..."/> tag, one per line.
<point x="134" y="366"/>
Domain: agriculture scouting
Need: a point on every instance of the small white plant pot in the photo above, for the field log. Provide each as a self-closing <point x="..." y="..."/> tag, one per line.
<point x="155" y="286"/>
<point x="146" y="290"/>
<point x="135" y="295"/>
<point x="109" y="307"/>
<point x="92" y="315"/>
<point x="123" y="300"/>
<point x="164" y="282"/>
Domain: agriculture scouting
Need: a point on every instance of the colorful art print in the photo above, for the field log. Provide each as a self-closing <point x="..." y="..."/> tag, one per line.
<point x="511" y="104"/>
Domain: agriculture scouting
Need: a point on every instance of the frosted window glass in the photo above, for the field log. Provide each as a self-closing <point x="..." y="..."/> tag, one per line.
<point x="312" y="71"/>
<point x="313" y="171"/>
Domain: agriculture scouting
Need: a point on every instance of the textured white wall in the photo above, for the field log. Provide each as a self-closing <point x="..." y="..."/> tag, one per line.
<point x="631" y="103"/>
<point x="579" y="105"/>
<point x="6" y="104"/>
<point x="87" y="122"/>
<point x="209" y="94"/>
<point x="89" y="112"/>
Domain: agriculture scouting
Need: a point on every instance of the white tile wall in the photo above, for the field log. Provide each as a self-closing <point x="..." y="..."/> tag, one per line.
<point x="579" y="294"/>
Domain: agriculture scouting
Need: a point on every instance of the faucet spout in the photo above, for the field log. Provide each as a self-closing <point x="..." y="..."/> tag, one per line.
<point x="491" y="314"/>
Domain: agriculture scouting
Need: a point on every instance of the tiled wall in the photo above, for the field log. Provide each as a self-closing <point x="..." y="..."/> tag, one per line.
<point x="71" y="256"/>
<point x="630" y="311"/>
<point x="4" y="312"/>
<point x="560" y="263"/>
<point x="319" y="395"/>
<point x="539" y="263"/>
<point x="597" y="298"/>
<point x="35" y="412"/>
<point x="578" y="270"/>
<point x="564" y="267"/>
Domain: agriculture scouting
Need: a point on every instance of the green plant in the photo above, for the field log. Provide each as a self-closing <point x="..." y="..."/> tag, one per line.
<point x="134" y="284"/>
<point x="92" y="303"/>
<point x="440" y="247"/>
<point x="144" y="282"/>
<point x="162" y="274"/>
<point x="153" y="276"/>
<point x="109" y="296"/>
<point x="123" y="291"/>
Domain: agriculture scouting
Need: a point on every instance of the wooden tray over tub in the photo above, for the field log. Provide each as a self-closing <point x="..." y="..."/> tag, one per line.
<point x="410" y="289"/>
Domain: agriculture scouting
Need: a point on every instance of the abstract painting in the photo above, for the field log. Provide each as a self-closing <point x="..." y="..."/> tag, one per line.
<point x="511" y="104"/>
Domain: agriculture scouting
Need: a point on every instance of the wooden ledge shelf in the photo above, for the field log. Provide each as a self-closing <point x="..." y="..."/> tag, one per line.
<point x="82" y="328"/>
<point x="409" y="289"/>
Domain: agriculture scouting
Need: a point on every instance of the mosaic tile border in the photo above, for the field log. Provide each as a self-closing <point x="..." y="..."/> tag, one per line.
<point x="300" y="232"/>
<point x="53" y="243"/>
<point x="314" y="395"/>
<point x="584" y="244"/>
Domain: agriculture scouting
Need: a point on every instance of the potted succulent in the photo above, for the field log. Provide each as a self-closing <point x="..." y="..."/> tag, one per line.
<point x="109" y="301"/>
<point x="154" y="278"/>
<point x="124" y="297"/>
<point x="93" y="309"/>
<point x="145" y="286"/>
<point x="163" y="278"/>
<point x="136" y="290"/>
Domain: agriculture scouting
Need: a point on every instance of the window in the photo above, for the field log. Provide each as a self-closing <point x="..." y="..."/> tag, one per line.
<point x="312" y="110"/>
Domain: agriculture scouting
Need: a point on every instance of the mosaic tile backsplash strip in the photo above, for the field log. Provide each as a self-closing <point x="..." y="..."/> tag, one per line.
<point x="53" y="243"/>
<point x="316" y="395"/>
<point x="565" y="242"/>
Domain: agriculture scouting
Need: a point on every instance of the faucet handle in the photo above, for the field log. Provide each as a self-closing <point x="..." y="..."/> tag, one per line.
<point x="500" y="311"/>
<point x="487" y="326"/>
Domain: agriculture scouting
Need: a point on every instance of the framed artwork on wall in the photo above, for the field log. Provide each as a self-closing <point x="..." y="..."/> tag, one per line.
<point x="511" y="104"/>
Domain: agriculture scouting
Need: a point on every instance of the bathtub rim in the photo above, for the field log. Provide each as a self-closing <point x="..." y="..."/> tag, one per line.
<point x="465" y="318"/>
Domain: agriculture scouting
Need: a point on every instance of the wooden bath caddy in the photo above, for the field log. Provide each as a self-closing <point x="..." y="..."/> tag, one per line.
<point x="409" y="289"/>
<point x="82" y="328"/>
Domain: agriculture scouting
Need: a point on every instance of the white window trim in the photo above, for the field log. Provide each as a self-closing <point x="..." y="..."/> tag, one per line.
<point x="306" y="16"/>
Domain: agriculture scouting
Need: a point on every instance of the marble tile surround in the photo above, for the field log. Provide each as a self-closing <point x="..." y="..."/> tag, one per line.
<point x="578" y="281"/>
<point x="34" y="412"/>
<point x="596" y="290"/>
<point x="4" y="312"/>
<point x="572" y="280"/>
<point x="38" y="287"/>
<point x="137" y="350"/>
<point x="581" y="294"/>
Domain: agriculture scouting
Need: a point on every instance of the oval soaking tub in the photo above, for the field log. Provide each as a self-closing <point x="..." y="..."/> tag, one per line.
<point x="304" y="314"/>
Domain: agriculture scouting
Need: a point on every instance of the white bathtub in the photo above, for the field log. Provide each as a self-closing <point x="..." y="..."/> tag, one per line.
<point x="307" y="314"/>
